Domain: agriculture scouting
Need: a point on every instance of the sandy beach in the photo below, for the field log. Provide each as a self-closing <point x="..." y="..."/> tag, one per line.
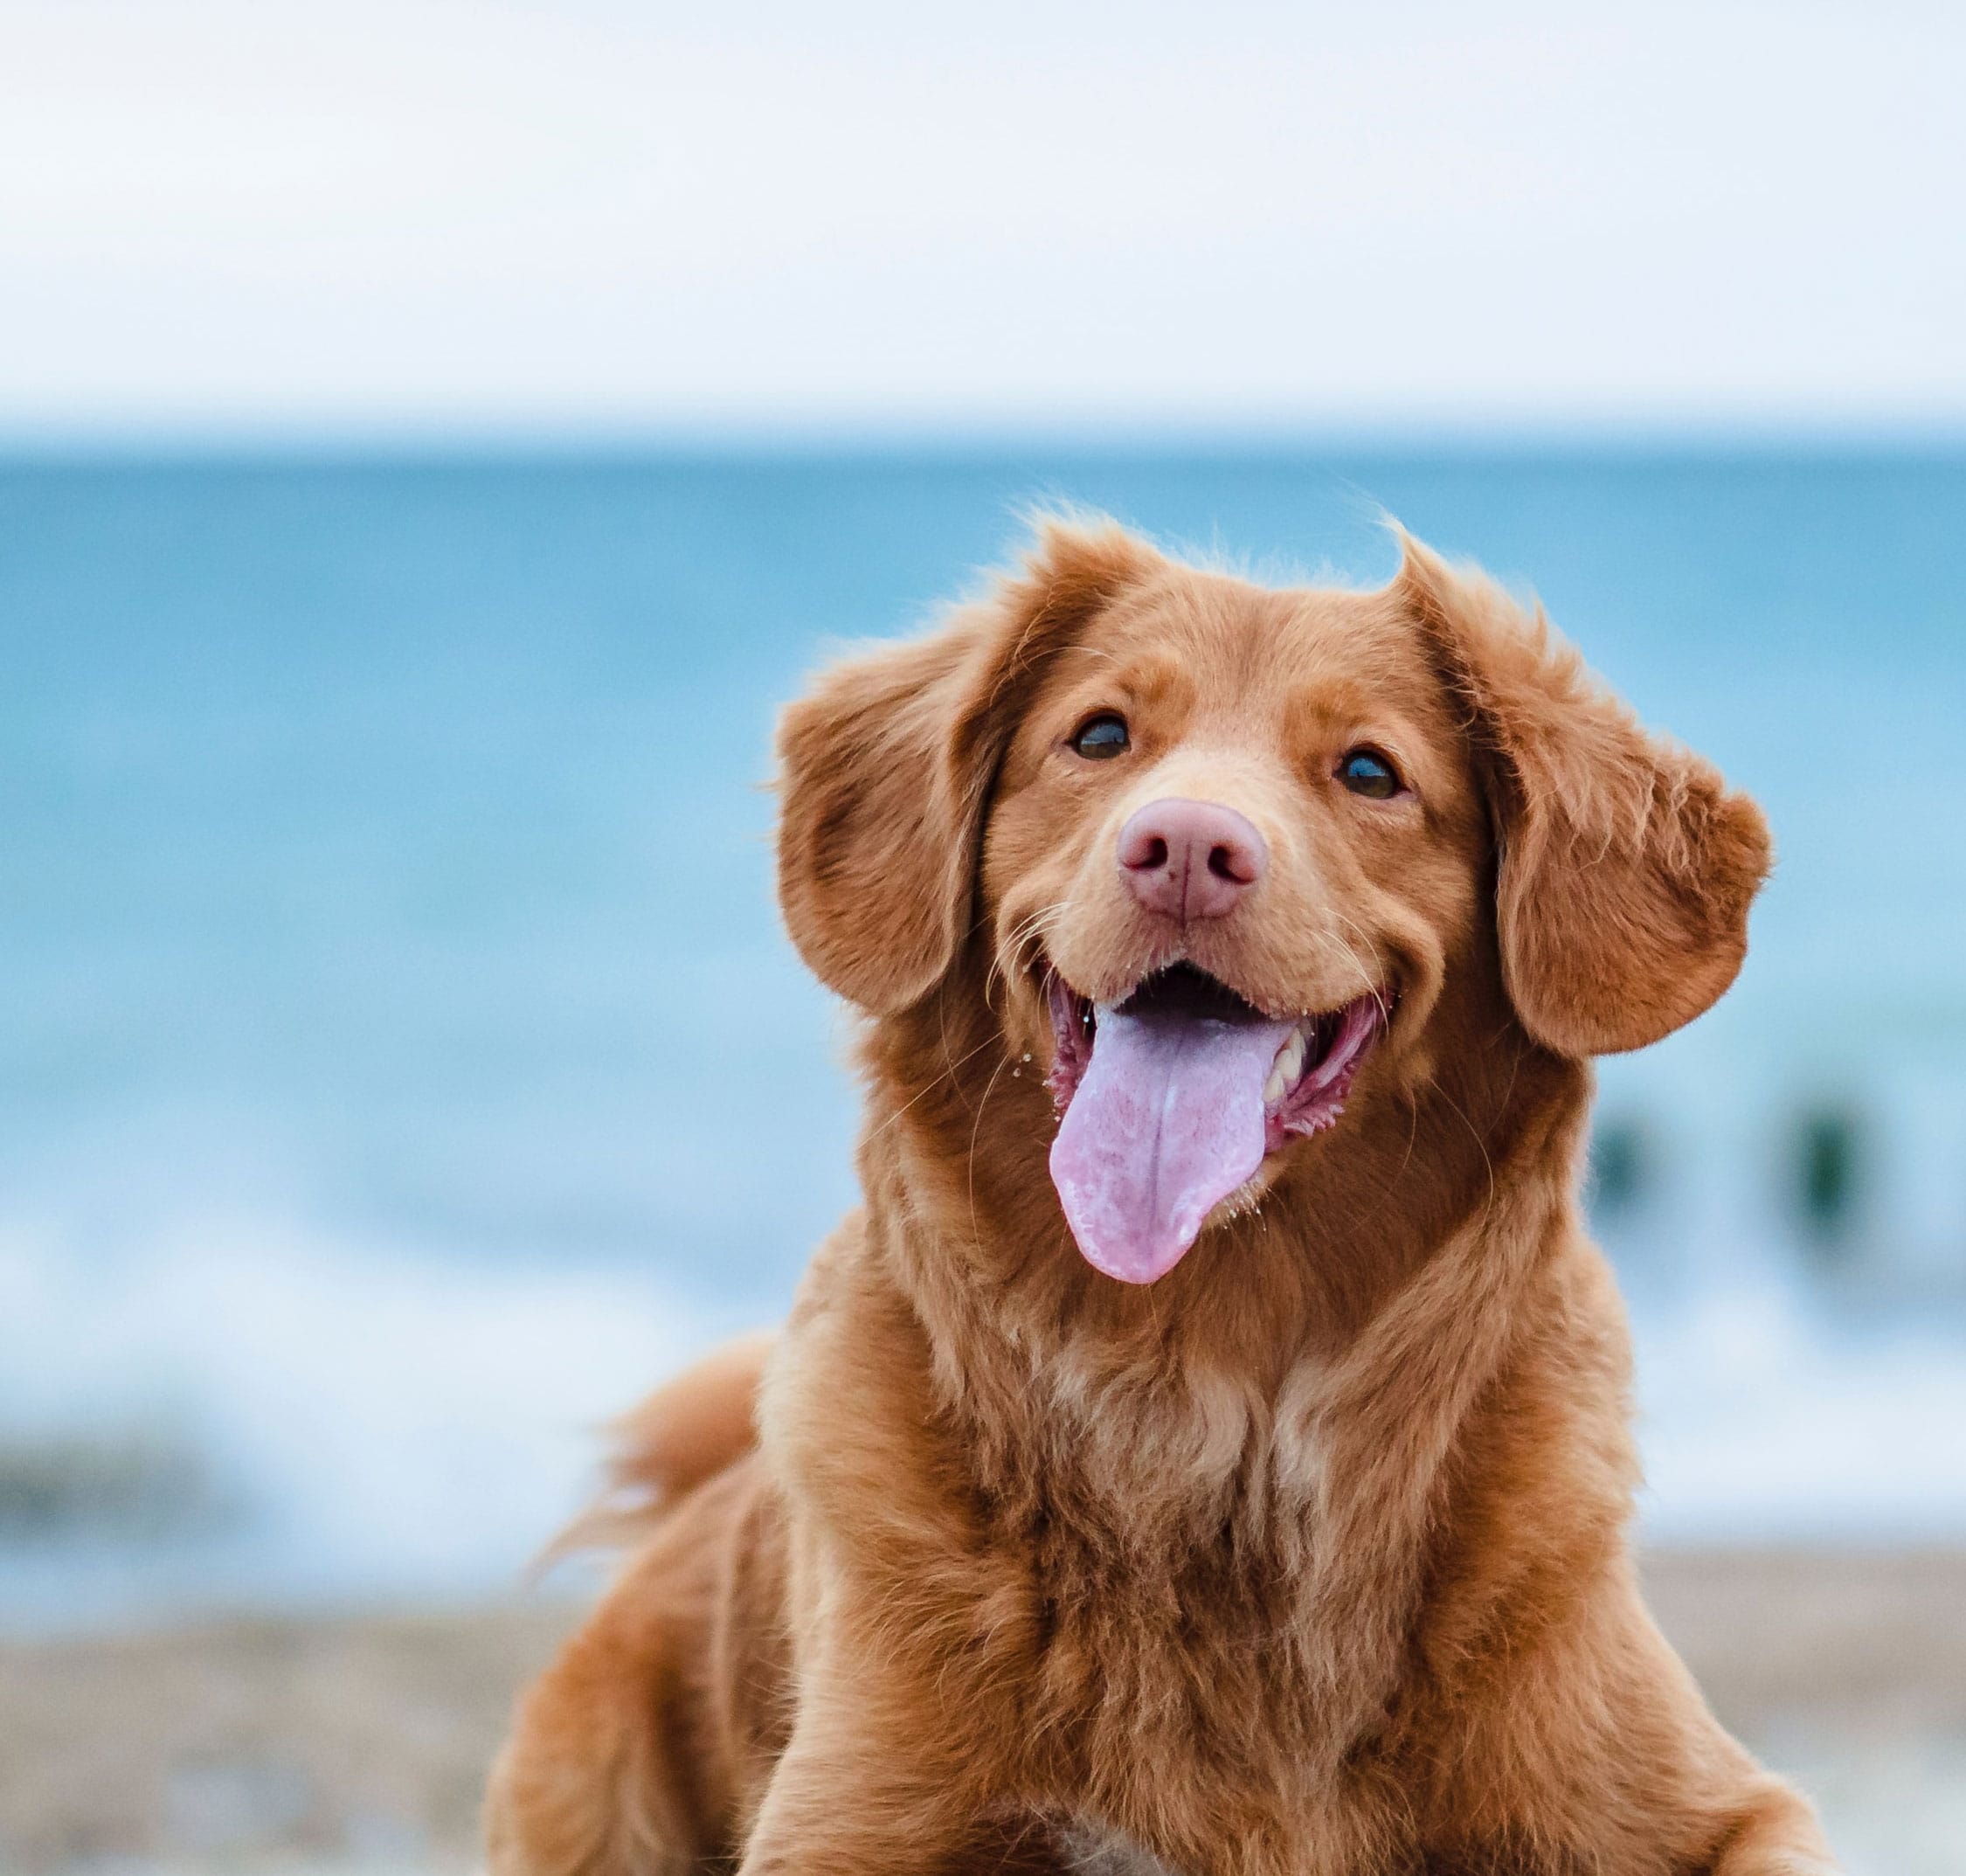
<point x="357" y="1743"/>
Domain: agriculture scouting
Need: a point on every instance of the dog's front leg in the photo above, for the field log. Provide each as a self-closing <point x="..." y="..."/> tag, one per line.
<point x="1774" y="1834"/>
<point x="863" y="1788"/>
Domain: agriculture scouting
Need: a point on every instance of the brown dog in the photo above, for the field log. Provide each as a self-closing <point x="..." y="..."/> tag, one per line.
<point x="1206" y="1448"/>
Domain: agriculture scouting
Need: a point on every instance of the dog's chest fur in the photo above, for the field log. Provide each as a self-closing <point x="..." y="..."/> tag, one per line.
<point x="1091" y="1850"/>
<point x="1165" y="1546"/>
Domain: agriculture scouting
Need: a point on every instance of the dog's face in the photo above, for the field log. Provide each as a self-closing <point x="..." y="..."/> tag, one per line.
<point x="1235" y="839"/>
<point x="1225" y="858"/>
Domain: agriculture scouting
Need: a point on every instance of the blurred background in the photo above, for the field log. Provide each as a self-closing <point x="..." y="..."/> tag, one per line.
<point x="434" y="437"/>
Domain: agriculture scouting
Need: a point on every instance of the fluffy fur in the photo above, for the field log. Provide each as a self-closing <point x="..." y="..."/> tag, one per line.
<point x="1311" y="1557"/>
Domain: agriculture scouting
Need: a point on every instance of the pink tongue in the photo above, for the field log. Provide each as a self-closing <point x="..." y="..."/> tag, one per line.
<point x="1166" y="1122"/>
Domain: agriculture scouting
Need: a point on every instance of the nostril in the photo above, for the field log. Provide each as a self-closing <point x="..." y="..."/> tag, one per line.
<point x="1190" y="860"/>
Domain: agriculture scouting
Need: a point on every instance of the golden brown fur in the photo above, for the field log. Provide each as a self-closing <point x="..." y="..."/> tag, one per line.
<point x="1311" y="1557"/>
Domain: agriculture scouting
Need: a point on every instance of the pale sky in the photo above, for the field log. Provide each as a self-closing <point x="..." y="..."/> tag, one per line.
<point x="425" y="215"/>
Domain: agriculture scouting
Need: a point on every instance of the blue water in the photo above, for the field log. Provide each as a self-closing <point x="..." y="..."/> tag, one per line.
<point x="400" y="1063"/>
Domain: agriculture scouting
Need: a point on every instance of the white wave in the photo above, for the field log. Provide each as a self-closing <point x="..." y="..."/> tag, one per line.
<point x="387" y="1424"/>
<point x="1764" y="1420"/>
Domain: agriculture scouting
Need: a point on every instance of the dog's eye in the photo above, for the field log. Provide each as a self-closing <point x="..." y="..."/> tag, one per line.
<point x="1100" y="737"/>
<point x="1367" y="772"/>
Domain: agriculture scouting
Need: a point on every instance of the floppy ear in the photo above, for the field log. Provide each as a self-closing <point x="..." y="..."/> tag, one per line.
<point x="1625" y="865"/>
<point x="886" y="766"/>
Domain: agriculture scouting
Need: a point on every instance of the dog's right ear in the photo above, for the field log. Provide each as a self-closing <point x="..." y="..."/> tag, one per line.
<point x="885" y="769"/>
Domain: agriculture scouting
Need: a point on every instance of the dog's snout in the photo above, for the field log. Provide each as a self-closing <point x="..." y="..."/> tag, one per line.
<point x="1190" y="860"/>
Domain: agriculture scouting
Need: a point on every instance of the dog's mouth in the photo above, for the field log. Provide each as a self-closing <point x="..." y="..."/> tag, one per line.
<point x="1171" y="1099"/>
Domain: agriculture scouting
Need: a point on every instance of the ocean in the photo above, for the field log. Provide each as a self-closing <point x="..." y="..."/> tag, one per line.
<point x="401" y="1065"/>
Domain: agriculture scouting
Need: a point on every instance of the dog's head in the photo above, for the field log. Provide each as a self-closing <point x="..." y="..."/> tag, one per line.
<point x="1232" y="861"/>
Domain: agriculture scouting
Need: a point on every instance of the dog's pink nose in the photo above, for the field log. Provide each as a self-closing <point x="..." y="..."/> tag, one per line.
<point x="1190" y="859"/>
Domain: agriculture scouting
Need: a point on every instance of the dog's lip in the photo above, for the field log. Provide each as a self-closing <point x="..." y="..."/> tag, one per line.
<point x="1315" y="1065"/>
<point x="1237" y="1002"/>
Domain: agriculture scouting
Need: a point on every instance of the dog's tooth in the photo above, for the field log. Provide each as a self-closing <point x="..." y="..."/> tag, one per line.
<point x="1285" y="1069"/>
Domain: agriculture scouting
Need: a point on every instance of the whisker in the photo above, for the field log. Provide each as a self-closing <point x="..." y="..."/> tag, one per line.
<point x="1032" y="928"/>
<point x="947" y="1074"/>
<point x="976" y="1128"/>
<point x="1487" y="1164"/>
<point x="1376" y="978"/>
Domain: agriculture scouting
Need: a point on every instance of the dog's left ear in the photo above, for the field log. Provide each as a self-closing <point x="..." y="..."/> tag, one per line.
<point x="1625" y="865"/>
<point x="885" y="769"/>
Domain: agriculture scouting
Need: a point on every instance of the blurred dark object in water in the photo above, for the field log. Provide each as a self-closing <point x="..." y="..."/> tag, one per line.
<point x="1621" y="1165"/>
<point x="135" y="1483"/>
<point x="1826" y="1156"/>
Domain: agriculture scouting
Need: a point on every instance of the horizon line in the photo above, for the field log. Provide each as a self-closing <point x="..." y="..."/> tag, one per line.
<point x="961" y="437"/>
